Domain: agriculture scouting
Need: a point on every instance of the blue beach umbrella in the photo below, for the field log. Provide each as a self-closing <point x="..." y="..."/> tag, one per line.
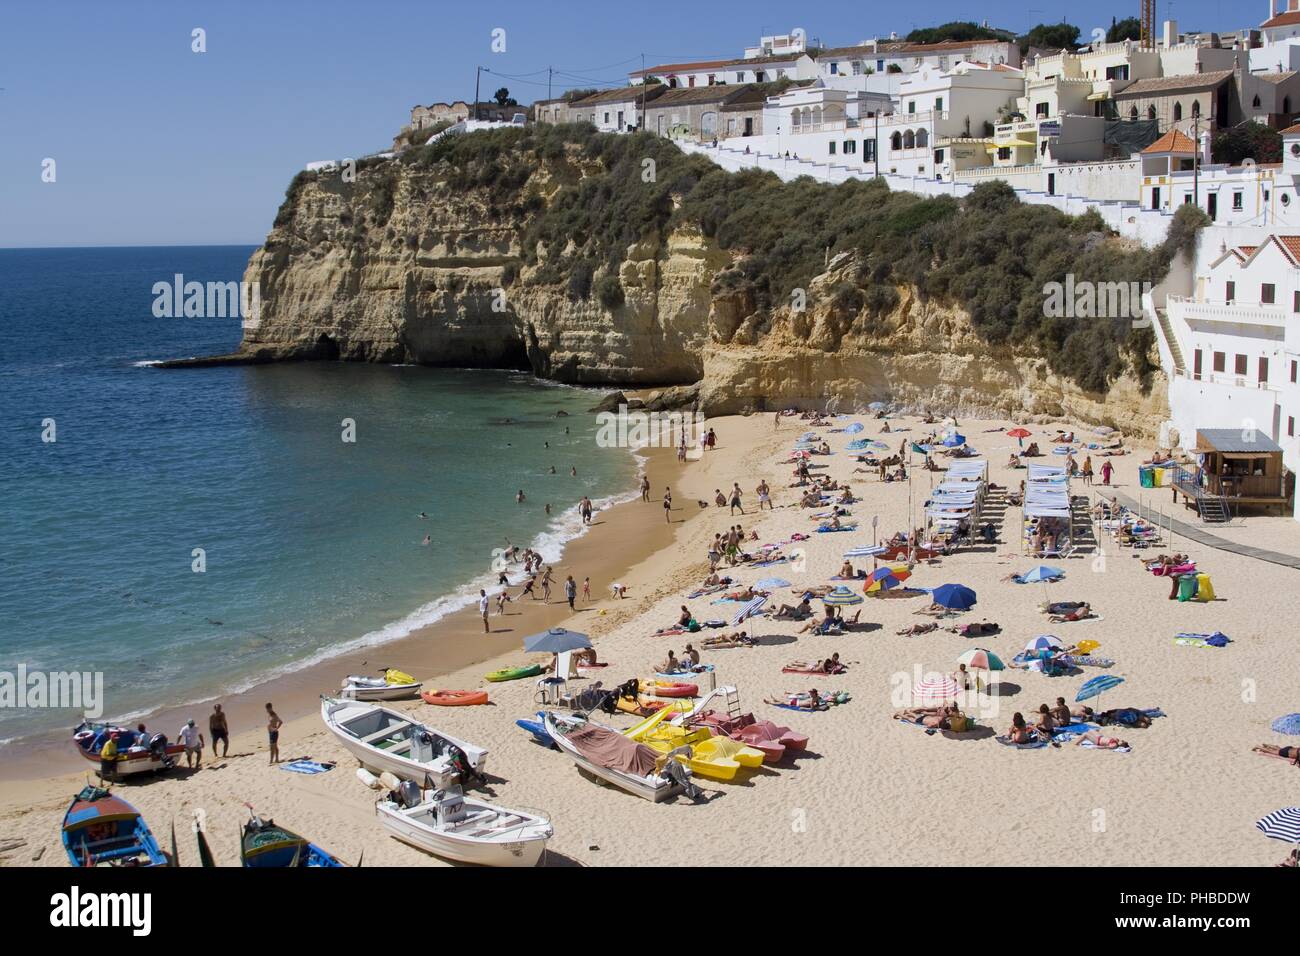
<point x="748" y="610"/>
<point x="955" y="597"/>
<point x="1096" y="686"/>
<point x="1290" y="724"/>
<point x="877" y="406"/>
<point x="1041" y="573"/>
<point x="841" y="597"/>
<point x="771" y="584"/>
<point x="866" y="552"/>
<point x="556" y="641"/>
<point x="953" y="440"/>
<point x="855" y="428"/>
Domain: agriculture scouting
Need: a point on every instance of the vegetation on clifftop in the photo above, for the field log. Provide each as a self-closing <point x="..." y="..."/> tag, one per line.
<point x="988" y="254"/>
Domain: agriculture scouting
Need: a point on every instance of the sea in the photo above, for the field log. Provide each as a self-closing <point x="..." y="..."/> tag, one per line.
<point x="192" y="532"/>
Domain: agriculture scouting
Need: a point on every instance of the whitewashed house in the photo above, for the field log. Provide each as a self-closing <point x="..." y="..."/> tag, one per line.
<point x="882" y="65"/>
<point x="758" y="69"/>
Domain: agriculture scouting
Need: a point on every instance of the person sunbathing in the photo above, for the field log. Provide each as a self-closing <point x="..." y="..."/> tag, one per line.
<point x="846" y="570"/>
<point x="826" y="625"/>
<point x="787" y="612"/>
<point x="846" y="496"/>
<point x="741" y="639"/>
<point x="1014" y="462"/>
<point x="1100" y="740"/>
<point x="1018" y="732"/>
<point x="1288" y="752"/>
<point x="1080" y="613"/>
<point x="1045" y="724"/>
<point x="925" y="716"/>
<point x="1061" y="713"/>
<point x="914" y="629"/>
<point x="745" y="594"/>
<point x="800" y="701"/>
<point x="1082" y="712"/>
<point x="832" y="665"/>
<point x="1125" y="716"/>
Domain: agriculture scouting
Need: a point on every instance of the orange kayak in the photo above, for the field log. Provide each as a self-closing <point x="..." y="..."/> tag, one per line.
<point x="455" y="698"/>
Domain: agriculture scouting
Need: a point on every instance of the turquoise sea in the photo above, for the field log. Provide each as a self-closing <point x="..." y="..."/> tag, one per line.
<point x="312" y="545"/>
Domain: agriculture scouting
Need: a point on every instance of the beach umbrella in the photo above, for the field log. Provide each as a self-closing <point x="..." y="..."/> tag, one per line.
<point x="869" y="552"/>
<point x="955" y="597"/>
<point x="1281" y="824"/>
<point x="841" y="597"/>
<point x="855" y="428"/>
<point x="935" y="689"/>
<point x="885" y="583"/>
<point x="557" y="640"/>
<point x="877" y="444"/>
<point x="1096" y="686"/>
<point x="952" y="440"/>
<point x="1043" y="642"/>
<point x="877" y="406"/>
<point x="1290" y="724"/>
<point x="748" y="610"/>
<point x="1041" y="573"/>
<point x="1019" y="433"/>
<point x="981" y="659"/>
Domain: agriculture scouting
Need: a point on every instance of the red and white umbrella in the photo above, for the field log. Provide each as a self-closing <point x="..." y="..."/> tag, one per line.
<point x="935" y="689"/>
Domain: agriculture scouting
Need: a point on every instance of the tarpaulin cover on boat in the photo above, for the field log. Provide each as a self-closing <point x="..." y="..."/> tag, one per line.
<point x="607" y="748"/>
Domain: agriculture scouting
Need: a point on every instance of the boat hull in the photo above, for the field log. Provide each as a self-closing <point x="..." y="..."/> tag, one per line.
<point x="437" y="773"/>
<point x="526" y="851"/>
<point x="390" y="692"/>
<point x="637" y="786"/>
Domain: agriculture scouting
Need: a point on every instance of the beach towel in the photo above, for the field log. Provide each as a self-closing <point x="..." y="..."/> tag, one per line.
<point x="1059" y="619"/>
<point x="768" y="563"/>
<point x="824" y="529"/>
<point x="306" y="766"/>
<point x="1032" y="745"/>
<point x="1089" y="745"/>
<point x="1188" y="639"/>
<point x="1087" y="660"/>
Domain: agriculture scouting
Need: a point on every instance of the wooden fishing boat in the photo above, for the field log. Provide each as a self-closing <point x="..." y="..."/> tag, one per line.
<point x="102" y="829"/>
<point x="264" y="845"/>
<point x="136" y="753"/>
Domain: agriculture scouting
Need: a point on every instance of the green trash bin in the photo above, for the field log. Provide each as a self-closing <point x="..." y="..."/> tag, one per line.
<point x="1187" y="587"/>
<point x="1146" y="477"/>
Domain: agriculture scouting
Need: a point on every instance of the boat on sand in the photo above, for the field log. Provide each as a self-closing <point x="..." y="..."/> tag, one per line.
<point x="383" y="739"/>
<point x="607" y="755"/>
<point x="451" y="825"/>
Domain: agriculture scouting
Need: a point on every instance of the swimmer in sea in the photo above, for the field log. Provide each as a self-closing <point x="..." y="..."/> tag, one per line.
<point x="548" y="507"/>
<point x="426" y="540"/>
<point x="422" y="515"/>
<point x="573" y="472"/>
<point x="519" y="498"/>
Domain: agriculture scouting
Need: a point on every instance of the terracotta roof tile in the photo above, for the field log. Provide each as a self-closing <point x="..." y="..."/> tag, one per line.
<point x="1172" y="142"/>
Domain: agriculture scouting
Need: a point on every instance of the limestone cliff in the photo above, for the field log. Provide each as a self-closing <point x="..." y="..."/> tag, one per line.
<point x="410" y="263"/>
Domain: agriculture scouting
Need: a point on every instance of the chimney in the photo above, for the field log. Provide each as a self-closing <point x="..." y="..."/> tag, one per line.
<point x="1171" y="33"/>
<point x="1272" y="8"/>
<point x="1205" y="148"/>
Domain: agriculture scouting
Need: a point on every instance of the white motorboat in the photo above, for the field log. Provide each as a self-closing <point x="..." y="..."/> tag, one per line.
<point x="607" y="755"/>
<point x="357" y="687"/>
<point x="448" y="824"/>
<point x="384" y="739"/>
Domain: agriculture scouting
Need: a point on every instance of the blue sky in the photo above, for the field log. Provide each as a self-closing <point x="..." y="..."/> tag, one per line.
<point x="157" y="145"/>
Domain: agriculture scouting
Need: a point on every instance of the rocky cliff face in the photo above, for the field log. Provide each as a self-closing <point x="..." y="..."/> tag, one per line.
<point x="406" y="266"/>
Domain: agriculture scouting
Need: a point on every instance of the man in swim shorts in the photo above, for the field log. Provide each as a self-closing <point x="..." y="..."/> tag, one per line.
<point x="273" y="725"/>
<point x="218" y="730"/>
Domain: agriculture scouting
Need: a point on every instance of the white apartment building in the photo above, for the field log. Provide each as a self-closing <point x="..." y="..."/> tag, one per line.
<point x="1232" y="347"/>
<point x="758" y="69"/>
<point x="881" y="66"/>
<point x="781" y="44"/>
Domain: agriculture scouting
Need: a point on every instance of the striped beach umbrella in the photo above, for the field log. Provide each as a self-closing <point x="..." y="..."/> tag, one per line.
<point x="771" y="584"/>
<point x="1041" y="573"/>
<point x="748" y="610"/>
<point x="1281" y="824"/>
<point x="1290" y="724"/>
<point x="866" y="552"/>
<point x="841" y="597"/>
<point x="935" y="689"/>
<point x="978" y="658"/>
<point x="1096" y="686"/>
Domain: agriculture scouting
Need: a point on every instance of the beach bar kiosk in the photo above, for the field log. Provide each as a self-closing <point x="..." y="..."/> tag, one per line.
<point x="1238" y="468"/>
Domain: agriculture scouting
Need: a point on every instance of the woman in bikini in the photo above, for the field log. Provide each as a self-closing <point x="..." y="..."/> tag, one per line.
<point x="1291" y="754"/>
<point x="1105" y="743"/>
<point x="1019" y="732"/>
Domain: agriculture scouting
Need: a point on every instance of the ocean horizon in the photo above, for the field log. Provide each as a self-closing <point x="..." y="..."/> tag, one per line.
<point x="196" y="532"/>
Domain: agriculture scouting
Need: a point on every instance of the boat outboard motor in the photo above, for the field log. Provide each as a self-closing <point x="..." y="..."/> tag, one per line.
<point x="681" y="774"/>
<point x="422" y="745"/>
<point x="408" y="794"/>
<point x="158" y="749"/>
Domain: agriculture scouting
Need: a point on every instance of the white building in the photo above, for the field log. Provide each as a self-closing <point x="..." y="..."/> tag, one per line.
<point x="781" y="44"/>
<point x="882" y="65"/>
<point x="758" y="69"/>
<point x="1232" y="347"/>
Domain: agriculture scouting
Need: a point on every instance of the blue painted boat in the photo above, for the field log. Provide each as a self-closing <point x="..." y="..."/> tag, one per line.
<point x="101" y="829"/>
<point x="265" y="845"/>
<point x="537" y="728"/>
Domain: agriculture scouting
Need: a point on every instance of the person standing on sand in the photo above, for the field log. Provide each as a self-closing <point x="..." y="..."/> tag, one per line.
<point x="571" y="591"/>
<point x="218" y="730"/>
<point x="1107" y="469"/>
<point x="483" y="609"/>
<point x="668" y="505"/>
<point x="645" y="486"/>
<point x="586" y="590"/>
<point x="273" y="725"/>
<point x="192" y="738"/>
<point x="546" y="586"/>
<point x="735" y="498"/>
<point x="764" y="495"/>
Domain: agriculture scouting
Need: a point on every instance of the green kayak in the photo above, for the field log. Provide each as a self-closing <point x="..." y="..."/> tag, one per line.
<point x="514" y="673"/>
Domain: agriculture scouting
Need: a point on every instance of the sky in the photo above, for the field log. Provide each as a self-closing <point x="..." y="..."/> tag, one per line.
<point x="155" y="144"/>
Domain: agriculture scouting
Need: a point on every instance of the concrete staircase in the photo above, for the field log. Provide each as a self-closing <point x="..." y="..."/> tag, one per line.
<point x="1171" y="340"/>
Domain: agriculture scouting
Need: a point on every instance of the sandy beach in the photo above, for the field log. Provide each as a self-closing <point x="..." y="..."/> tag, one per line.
<point x="870" y="790"/>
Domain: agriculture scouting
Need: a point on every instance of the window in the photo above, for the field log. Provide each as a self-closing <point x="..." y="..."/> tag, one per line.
<point x="1178" y="112"/>
<point x="1196" y="364"/>
<point x="1220" y="361"/>
<point x="1290" y="426"/>
<point x="691" y="81"/>
<point x="1040" y="111"/>
<point x="1294" y="368"/>
<point x="1255" y="102"/>
<point x="1229" y="291"/>
<point x="606" y="117"/>
<point x="1196" y="108"/>
<point x="835" y="69"/>
<point x="857" y="67"/>
<point x="1236" y="200"/>
<point x="938" y="104"/>
<point x="911" y="106"/>
<point x="1267" y="292"/>
<point x="740" y="77"/>
<point x="1151" y="112"/>
<point x="922" y="139"/>
<point x="1295" y="301"/>
<point x="850" y="146"/>
<point x="1286" y="104"/>
<point x="831" y="144"/>
<point x="1117" y="72"/>
<point x="758" y="76"/>
<point x="1239" y="365"/>
<point x="1263" y="370"/>
<point x="896" y="142"/>
<point x="880" y="66"/>
<point x="1004" y="152"/>
<point x="1133" y="113"/>
<point x="909" y="140"/>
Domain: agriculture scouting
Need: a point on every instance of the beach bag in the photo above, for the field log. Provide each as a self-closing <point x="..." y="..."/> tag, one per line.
<point x="959" y="724"/>
<point x="693" y="626"/>
<point x="1204" y="589"/>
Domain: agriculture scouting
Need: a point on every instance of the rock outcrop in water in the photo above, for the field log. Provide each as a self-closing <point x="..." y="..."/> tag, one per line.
<point x="411" y="264"/>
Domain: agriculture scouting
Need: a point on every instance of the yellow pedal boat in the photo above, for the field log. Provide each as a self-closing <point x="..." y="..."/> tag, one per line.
<point x="715" y="757"/>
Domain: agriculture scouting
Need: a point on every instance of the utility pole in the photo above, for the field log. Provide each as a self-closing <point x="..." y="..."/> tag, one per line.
<point x="1196" y="162"/>
<point x="876" y="146"/>
<point x="477" y="71"/>
<point x="549" y="72"/>
<point x="640" y="120"/>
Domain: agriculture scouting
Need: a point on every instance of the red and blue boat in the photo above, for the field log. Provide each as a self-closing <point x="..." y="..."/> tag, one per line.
<point x="102" y="829"/>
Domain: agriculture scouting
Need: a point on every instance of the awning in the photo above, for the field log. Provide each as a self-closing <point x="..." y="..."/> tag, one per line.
<point x="1010" y="144"/>
<point x="1095" y="97"/>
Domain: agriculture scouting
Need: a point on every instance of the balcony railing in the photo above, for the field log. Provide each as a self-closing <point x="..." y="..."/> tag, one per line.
<point x="1232" y="381"/>
<point x="1236" y="311"/>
